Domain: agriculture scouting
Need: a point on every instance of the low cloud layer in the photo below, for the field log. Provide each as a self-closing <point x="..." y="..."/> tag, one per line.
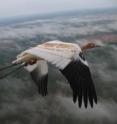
<point x="19" y="100"/>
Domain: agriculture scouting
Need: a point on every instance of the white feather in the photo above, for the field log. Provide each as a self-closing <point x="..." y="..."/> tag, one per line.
<point x="57" y="58"/>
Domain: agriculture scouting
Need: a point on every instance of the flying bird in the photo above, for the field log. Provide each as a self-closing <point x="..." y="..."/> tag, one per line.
<point x="68" y="58"/>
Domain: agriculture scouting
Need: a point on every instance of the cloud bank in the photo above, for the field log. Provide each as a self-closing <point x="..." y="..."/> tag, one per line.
<point x="19" y="100"/>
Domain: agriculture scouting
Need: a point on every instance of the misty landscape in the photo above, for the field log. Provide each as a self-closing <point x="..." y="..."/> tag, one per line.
<point x="20" y="102"/>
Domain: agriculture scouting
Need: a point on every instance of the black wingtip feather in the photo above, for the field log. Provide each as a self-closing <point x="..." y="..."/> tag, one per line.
<point x="80" y="94"/>
<point x="85" y="100"/>
<point x="41" y="83"/>
<point x="74" y="97"/>
<point x="79" y="77"/>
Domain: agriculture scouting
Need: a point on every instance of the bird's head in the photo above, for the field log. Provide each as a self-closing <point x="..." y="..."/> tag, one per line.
<point x="90" y="45"/>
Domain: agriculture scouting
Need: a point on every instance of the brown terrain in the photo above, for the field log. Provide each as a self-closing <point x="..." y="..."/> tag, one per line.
<point x="105" y="37"/>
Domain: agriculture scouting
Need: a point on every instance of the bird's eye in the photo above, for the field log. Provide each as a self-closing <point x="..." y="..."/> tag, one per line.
<point x="82" y="56"/>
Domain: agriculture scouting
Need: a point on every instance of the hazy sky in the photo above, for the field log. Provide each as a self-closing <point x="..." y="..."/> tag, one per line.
<point x="23" y="7"/>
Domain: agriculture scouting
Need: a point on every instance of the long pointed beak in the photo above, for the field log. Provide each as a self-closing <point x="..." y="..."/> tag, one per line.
<point x="98" y="46"/>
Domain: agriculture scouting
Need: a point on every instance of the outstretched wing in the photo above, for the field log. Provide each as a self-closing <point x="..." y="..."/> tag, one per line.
<point x="39" y="74"/>
<point x="79" y="77"/>
<point x="59" y="57"/>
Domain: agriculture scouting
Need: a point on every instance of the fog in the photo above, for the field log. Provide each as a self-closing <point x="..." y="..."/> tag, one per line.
<point x="19" y="99"/>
